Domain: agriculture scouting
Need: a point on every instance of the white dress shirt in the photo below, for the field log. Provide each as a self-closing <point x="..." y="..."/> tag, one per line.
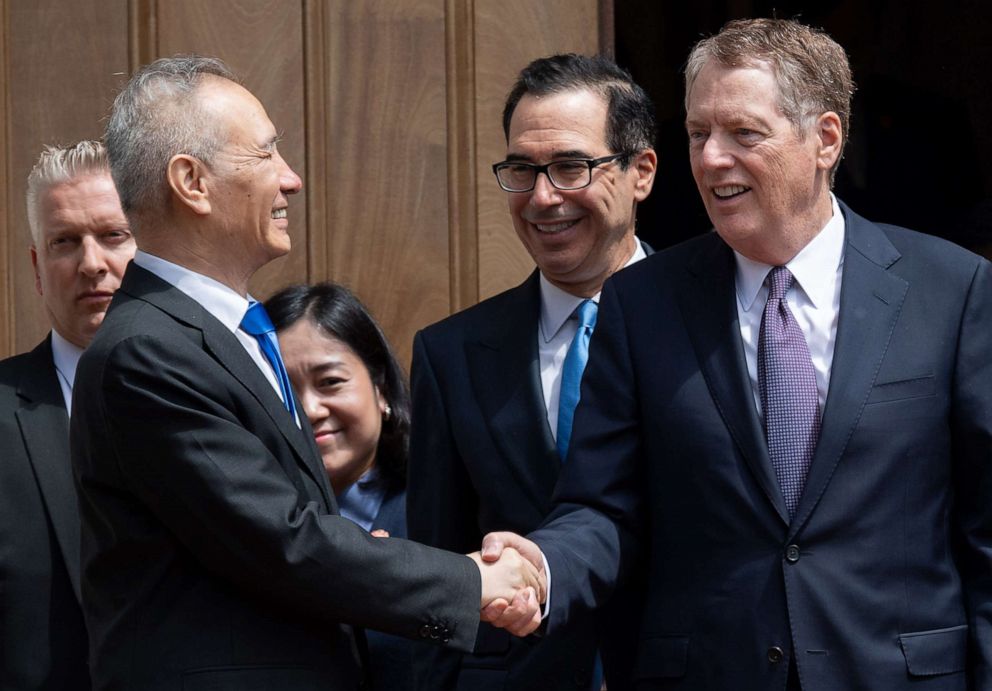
<point x="222" y="302"/>
<point x="65" y="356"/>
<point x="556" y="329"/>
<point x="814" y="300"/>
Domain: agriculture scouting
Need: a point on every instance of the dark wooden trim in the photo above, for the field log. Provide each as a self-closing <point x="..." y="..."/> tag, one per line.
<point x="316" y="107"/>
<point x="607" y="30"/>
<point x="142" y="30"/>
<point x="6" y="219"/>
<point x="463" y="216"/>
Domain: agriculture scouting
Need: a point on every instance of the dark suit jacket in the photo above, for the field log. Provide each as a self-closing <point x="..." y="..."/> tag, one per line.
<point x="212" y="555"/>
<point x="883" y="580"/>
<point x="42" y="637"/>
<point x="482" y="458"/>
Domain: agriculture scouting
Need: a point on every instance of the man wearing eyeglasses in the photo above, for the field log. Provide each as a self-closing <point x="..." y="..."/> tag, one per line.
<point x="494" y="386"/>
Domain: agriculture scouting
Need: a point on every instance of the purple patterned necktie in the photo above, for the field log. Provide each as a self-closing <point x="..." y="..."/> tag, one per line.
<point x="787" y="384"/>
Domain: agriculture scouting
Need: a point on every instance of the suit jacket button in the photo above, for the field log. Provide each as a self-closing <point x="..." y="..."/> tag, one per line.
<point x="775" y="654"/>
<point x="792" y="554"/>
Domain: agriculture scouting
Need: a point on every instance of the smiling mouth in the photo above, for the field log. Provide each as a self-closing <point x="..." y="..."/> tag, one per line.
<point x="280" y="213"/>
<point x="553" y="228"/>
<point x="730" y="191"/>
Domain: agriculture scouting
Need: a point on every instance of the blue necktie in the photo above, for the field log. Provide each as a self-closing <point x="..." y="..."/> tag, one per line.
<point x="787" y="385"/>
<point x="571" y="373"/>
<point x="256" y="322"/>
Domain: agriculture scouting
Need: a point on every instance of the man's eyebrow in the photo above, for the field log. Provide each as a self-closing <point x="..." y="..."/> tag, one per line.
<point x="555" y="156"/>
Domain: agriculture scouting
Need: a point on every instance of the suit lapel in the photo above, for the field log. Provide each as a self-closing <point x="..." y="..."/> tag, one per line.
<point x="506" y="380"/>
<point x="45" y="428"/>
<point x="230" y="354"/>
<point x="710" y="315"/>
<point x="870" y="301"/>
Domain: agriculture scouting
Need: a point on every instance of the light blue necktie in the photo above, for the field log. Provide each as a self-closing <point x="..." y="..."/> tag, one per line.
<point x="571" y="373"/>
<point x="256" y="322"/>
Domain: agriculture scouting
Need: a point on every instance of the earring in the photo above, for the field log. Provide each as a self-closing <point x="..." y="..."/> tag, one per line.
<point x="387" y="412"/>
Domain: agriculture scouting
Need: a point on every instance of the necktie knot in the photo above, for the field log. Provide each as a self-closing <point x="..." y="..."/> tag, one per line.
<point x="780" y="279"/>
<point x="256" y="320"/>
<point x="586" y="313"/>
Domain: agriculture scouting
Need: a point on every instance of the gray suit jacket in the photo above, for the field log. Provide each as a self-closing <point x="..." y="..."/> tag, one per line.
<point x="213" y="556"/>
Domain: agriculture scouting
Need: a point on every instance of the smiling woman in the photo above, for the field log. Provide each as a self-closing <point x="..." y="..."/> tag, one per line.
<point x="354" y="395"/>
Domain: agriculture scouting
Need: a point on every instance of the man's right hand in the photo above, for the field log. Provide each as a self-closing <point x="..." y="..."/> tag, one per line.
<point x="517" y="615"/>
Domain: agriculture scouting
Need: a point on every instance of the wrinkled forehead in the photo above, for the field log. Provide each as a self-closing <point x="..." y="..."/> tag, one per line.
<point x="731" y="86"/>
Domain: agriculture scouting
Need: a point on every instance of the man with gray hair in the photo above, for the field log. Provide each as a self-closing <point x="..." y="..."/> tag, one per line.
<point x="80" y="246"/>
<point x="800" y="439"/>
<point x="213" y="555"/>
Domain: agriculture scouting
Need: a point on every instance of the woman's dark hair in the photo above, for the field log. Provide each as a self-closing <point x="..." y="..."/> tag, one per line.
<point x="337" y="312"/>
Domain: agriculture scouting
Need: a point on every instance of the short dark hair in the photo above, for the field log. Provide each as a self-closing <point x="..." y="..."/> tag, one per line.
<point x="630" y="121"/>
<point x="337" y="312"/>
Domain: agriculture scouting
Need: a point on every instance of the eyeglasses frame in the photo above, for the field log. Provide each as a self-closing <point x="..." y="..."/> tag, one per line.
<point x="538" y="169"/>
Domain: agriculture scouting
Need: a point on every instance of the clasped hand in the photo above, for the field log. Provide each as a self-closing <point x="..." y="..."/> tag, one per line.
<point x="514" y="584"/>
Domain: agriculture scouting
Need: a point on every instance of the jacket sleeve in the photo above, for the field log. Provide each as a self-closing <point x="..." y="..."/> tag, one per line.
<point x="591" y="537"/>
<point x="972" y="457"/>
<point x="176" y="446"/>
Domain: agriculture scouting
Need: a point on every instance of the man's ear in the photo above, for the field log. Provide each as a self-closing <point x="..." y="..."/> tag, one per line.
<point x="830" y="136"/>
<point x="646" y="164"/>
<point x="187" y="177"/>
<point x="34" y="265"/>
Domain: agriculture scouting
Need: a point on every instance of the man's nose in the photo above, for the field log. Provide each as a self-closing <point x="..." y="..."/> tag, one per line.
<point x="716" y="154"/>
<point x="544" y="193"/>
<point x="93" y="259"/>
<point x="289" y="181"/>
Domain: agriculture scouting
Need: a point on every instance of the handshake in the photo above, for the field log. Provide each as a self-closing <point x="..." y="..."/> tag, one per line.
<point x="514" y="582"/>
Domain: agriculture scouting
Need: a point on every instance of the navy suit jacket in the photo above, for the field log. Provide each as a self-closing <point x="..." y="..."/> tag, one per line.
<point x="213" y="557"/>
<point x="883" y="580"/>
<point x="482" y="458"/>
<point x="43" y="644"/>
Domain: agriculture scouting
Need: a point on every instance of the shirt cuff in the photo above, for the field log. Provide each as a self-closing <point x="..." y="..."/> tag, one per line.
<point x="547" y="577"/>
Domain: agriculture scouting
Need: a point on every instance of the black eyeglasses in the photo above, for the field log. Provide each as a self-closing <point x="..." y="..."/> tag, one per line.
<point x="573" y="174"/>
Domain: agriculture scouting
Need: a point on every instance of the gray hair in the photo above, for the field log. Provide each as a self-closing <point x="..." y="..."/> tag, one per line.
<point x="155" y="117"/>
<point x="811" y="69"/>
<point x="57" y="165"/>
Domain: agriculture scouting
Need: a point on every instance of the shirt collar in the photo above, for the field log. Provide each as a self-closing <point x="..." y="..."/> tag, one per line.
<point x="814" y="267"/>
<point x="557" y="305"/>
<point x="221" y="301"/>
<point x="66" y="356"/>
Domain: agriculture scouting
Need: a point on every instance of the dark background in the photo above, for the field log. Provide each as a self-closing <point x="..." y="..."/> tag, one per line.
<point x="920" y="149"/>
